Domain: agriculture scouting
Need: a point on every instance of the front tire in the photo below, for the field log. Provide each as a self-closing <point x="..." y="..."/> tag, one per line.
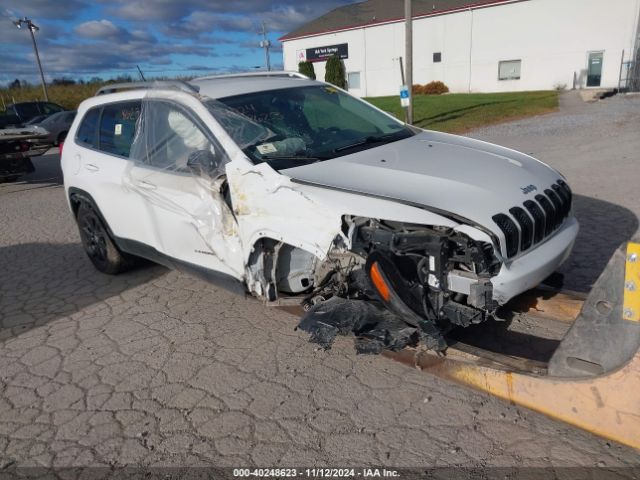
<point x="97" y="243"/>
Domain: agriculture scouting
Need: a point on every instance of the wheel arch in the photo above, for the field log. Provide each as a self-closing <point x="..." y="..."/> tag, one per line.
<point x="77" y="197"/>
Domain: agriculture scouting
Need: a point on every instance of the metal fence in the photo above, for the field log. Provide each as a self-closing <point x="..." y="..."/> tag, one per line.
<point x="630" y="71"/>
<point x="630" y="76"/>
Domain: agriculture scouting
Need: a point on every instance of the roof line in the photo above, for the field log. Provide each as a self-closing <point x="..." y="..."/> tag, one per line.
<point x="474" y="6"/>
<point x="273" y="73"/>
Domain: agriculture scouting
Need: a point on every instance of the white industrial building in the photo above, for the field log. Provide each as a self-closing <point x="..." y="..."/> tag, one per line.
<point x="475" y="46"/>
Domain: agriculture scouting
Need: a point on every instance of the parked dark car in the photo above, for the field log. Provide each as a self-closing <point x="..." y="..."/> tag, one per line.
<point x="54" y="128"/>
<point x="25" y="111"/>
<point x="10" y="121"/>
<point x="35" y="120"/>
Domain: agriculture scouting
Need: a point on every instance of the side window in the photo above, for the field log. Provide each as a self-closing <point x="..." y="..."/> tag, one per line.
<point x="27" y="110"/>
<point x="49" y="108"/>
<point x="86" y="134"/>
<point x="168" y="135"/>
<point x="118" y="127"/>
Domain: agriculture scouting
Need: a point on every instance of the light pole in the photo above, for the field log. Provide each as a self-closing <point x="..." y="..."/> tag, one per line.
<point x="266" y="44"/>
<point x="408" y="53"/>
<point x="32" y="28"/>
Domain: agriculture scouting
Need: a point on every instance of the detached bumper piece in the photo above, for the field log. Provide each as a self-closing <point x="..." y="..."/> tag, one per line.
<point x="374" y="327"/>
<point x="387" y="324"/>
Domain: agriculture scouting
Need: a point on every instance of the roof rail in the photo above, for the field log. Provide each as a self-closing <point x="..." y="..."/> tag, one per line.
<point x="283" y="73"/>
<point x="177" y="84"/>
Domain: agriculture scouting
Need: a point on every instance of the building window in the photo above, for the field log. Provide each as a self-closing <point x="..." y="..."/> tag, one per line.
<point x="353" y="80"/>
<point x="437" y="57"/>
<point x="509" y="70"/>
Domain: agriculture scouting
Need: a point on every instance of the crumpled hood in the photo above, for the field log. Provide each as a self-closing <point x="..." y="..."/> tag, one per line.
<point x="468" y="178"/>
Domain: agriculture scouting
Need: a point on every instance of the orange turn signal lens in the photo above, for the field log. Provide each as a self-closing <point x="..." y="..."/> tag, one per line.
<point x="378" y="281"/>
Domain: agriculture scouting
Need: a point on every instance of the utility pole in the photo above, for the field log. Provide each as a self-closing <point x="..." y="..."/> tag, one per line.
<point x="32" y="28"/>
<point x="266" y="44"/>
<point x="141" y="74"/>
<point x="408" y="53"/>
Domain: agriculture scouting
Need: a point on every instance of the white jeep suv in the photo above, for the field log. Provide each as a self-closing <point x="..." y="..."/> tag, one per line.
<point x="294" y="191"/>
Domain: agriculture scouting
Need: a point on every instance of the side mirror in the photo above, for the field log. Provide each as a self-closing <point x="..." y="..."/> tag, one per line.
<point x="201" y="162"/>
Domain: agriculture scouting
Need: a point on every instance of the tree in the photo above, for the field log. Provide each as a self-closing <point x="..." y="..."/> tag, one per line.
<point x="334" y="72"/>
<point x="15" y="84"/>
<point x="63" y="81"/>
<point x="306" y="68"/>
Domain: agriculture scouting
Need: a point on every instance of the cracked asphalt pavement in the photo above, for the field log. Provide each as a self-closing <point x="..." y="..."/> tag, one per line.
<point x="154" y="368"/>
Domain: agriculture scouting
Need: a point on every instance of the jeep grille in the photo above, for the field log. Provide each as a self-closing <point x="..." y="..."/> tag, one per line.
<point x="537" y="220"/>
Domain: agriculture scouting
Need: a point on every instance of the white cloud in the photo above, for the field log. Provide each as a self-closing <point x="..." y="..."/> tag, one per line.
<point x="42" y="9"/>
<point x="100" y="29"/>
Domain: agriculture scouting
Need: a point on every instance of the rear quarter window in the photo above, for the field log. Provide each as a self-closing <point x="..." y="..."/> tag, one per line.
<point x="118" y="127"/>
<point x="86" y="134"/>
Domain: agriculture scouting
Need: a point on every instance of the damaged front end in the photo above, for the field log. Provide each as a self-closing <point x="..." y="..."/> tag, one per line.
<point x="394" y="284"/>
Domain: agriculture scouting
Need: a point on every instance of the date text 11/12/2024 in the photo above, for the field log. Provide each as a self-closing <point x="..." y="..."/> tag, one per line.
<point x="315" y="472"/>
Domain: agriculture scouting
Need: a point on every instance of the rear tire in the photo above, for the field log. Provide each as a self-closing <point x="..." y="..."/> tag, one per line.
<point x="98" y="245"/>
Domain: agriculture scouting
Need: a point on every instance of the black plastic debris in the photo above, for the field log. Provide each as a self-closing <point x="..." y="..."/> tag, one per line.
<point x="374" y="327"/>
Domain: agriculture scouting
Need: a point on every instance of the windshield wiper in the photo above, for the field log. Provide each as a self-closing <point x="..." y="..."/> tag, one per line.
<point x="292" y="157"/>
<point x="282" y="162"/>
<point x="372" y="139"/>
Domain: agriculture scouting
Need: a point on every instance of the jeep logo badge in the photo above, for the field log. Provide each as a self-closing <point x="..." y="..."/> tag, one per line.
<point x="528" y="189"/>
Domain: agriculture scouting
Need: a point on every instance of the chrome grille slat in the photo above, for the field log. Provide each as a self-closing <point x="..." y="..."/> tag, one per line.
<point x="538" y="220"/>
<point x="549" y="213"/>
<point x="526" y="227"/>
<point x="565" y="197"/>
<point x="510" y="231"/>
<point x="557" y="206"/>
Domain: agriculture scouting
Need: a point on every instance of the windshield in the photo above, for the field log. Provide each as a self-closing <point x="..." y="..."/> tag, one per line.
<point x="296" y="126"/>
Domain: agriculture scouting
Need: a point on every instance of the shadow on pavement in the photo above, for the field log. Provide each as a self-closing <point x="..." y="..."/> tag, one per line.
<point x="48" y="173"/>
<point x="42" y="282"/>
<point x="604" y="227"/>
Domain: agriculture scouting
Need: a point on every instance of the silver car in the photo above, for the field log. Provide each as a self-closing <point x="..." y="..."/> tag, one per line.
<point x="54" y="128"/>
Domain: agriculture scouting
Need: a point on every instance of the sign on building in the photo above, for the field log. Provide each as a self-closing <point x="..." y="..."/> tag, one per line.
<point x="321" y="54"/>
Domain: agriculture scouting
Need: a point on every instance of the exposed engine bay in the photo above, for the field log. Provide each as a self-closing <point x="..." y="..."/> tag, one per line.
<point x="391" y="284"/>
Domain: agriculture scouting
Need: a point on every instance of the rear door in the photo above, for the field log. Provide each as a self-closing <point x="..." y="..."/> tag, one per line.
<point x="100" y="159"/>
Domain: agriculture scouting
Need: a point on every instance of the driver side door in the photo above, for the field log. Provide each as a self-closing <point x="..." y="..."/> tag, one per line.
<point x="192" y="221"/>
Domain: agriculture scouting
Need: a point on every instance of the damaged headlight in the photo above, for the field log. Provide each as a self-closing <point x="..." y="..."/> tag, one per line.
<point x="431" y="278"/>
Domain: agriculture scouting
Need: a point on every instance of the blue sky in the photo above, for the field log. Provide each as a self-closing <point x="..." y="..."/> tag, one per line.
<point x="108" y="38"/>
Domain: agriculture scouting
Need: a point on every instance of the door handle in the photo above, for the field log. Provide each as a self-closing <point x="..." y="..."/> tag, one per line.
<point x="146" y="185"/>
<point x="91" y="167"/>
